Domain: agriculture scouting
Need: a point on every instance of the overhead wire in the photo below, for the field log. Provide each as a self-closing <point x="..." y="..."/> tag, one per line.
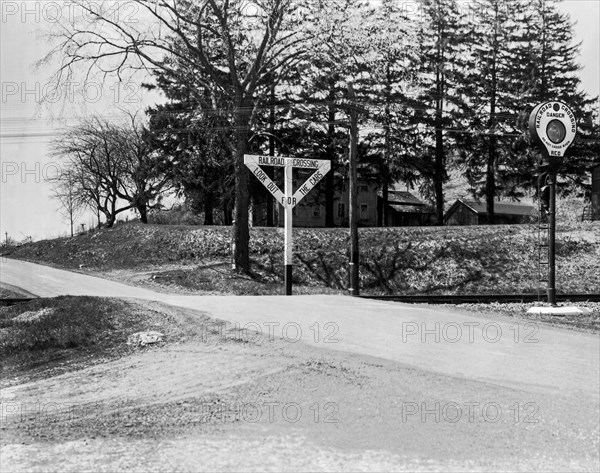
<point x="370" y="106"/>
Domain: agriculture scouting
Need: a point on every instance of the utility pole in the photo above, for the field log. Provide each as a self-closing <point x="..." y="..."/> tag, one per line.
<point x="354" y="287"/>
<point x="270" y="170"/>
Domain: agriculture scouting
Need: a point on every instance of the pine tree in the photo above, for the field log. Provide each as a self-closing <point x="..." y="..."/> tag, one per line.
<point x="391" y="77"/>
<point x="547" y="56"/>
<point x="312" y="95"/>
<point x="492" y="106"/>
<point x="442" y="49"/>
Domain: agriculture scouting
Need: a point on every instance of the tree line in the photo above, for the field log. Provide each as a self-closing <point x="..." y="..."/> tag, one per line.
<point x="441" y="85"/>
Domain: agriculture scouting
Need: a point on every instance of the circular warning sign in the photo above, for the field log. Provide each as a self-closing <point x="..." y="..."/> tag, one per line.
<point x="553" y="125"/>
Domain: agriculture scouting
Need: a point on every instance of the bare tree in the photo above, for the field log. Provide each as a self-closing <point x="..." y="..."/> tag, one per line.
<point x="227" y="48"/>
<point x="67" y="192"/>
<point x="112" y="168"/>
<point x="146" y="173"/>
<point x="95" y="157"/>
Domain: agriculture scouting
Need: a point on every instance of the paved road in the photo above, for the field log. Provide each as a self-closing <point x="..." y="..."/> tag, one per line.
<point x="510" y="354"/>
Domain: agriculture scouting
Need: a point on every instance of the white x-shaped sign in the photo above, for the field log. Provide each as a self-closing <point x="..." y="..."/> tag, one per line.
<point x="254" y="163"/>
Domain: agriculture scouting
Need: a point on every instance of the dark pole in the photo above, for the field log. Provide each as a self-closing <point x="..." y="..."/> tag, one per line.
<point x="552" y="239"/>
<point x="270" y="171"/>
<point x="354" y="288"/>
<point x="288" y="279"/>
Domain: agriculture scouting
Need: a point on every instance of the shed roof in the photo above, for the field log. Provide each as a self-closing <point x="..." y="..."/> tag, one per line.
<point x="500" y="208"/>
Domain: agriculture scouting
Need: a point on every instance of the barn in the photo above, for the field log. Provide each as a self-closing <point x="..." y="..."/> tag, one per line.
<point x="596" y="192"/>
<point x="469" y="212"/>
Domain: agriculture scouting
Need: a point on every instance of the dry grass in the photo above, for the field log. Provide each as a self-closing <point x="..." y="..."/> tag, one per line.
<point x="421" y="260"/>
<point x="584" y="323"/>
<point x="68" y="332"/>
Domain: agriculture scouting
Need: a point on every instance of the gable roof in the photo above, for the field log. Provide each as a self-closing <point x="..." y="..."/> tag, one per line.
<point x="402" y="198"/>
<point x="500" y="208"/>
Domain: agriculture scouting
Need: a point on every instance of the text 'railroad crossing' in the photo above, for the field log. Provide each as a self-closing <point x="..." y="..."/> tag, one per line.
<point x="288" y="199"/>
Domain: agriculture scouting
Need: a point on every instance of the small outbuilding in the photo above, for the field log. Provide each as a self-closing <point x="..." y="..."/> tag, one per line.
<point x="403" y="210"/>
<point x="469" y="212"/>
<point x="596" y="192"/>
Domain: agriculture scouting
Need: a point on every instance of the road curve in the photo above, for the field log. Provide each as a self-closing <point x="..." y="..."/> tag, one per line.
<point x="512" y="354"/>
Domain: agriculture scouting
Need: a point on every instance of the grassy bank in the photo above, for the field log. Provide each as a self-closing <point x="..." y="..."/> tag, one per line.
<point x="423" y="260"/>
<point x="582" y="322"/>
<point x="49" y="336"/>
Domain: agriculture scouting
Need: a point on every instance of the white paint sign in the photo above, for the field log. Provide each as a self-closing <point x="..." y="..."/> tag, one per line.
<point x="322" y="167"/>
<point x="266" y="180"/>
<point x="287" y="199"/>
<point x="554" y="126"/>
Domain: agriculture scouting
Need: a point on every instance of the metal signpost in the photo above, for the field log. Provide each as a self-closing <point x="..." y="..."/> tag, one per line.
<point x="288" y="199"/>
<point x="553" y="125"/>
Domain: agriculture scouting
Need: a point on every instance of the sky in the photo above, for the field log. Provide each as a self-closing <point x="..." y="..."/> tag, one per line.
<point x="27" y="127"/>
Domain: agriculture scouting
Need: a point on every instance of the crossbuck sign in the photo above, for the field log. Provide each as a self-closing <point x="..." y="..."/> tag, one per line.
<point x="288" y="199"/>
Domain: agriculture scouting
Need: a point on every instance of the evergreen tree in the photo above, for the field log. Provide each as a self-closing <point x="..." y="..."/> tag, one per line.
<point x="548" y="70"/>
<point x="492" y="105"/>
<point x="387" y="87"/>
<point x="440" y="104"/>
<point x="311" y="97"/>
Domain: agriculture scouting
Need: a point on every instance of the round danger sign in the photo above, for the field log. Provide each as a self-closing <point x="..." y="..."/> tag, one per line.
<point x="554" y="126"/>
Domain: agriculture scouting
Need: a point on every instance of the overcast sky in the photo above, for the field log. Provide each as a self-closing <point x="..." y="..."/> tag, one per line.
<point x="26" y="127"/>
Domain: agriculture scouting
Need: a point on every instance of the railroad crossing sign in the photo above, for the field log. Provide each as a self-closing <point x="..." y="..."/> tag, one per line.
<point x="553" y="126"/>
<point x="287" y="199"/>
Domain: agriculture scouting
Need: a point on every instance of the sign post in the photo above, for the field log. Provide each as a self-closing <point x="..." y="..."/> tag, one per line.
<point x="287" y="199"/>
<point x="553" y="125"/>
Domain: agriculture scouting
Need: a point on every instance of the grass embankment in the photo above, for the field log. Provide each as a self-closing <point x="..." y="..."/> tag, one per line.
<point x="9" y="292"/>
<point x="423" y="260"/>
<point x="580" y="322"/>
<point x="66" y="332"/>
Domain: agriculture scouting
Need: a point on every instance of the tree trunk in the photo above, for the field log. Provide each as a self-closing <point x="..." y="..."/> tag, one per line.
<point x="490" y="181"/>
<point x="385" y="171"/>
<point x="385" y="198"/>
<point x="439" y="177"/>
<point x="439" y="166"/>
<point x="330" y="177"/>
<point x="209" y="205"/>
<point x="111" y="215"/>
<point x="490" y="178"/>
<point x="143" y="210"/>
<point x="241" y="232"/>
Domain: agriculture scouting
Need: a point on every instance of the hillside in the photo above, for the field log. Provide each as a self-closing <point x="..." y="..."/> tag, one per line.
<point x="409" y="260"/>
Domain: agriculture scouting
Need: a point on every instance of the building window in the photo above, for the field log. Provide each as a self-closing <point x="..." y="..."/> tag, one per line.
<point x="341" y="210"/>
<point x="316" y="210"/>
<point x="363" y="188"/>
<point x="364" y="211"/>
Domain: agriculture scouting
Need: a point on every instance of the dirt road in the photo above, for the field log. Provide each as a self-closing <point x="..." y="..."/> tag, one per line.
<point x="413" y="388"/>
<point x="509" y="353"/>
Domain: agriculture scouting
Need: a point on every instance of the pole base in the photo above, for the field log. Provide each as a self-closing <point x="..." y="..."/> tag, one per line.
<point x="288" y="279"/>
<point x="354" y="288"/>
